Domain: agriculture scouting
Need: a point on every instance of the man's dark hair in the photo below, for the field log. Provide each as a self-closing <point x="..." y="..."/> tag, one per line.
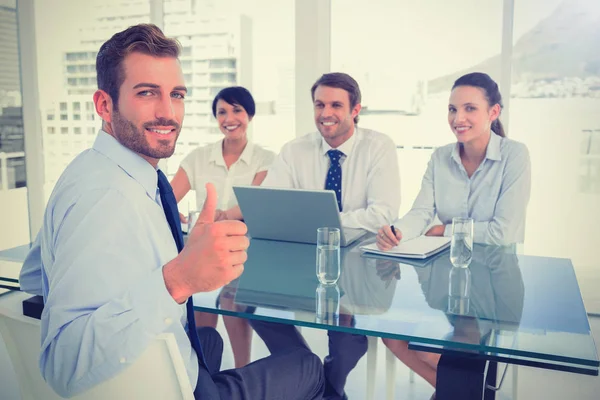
<point x="143" y="38"/>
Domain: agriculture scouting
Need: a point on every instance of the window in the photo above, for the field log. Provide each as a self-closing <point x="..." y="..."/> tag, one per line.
<point x="50" y="117"/>
<point x="226" y="78"/>
<point x="243" y="59"/>
<point x="66" y="68"/>
<point x="589" y="166"/>
<point x="16" y="166"/>
<point x="561" y="84"/>
<point x="222" y="64"/>
<point x="406" y="65"/>
<point x="51" y="130"/>
<point x="13" y="180"/>
<point x="247" y="33"/>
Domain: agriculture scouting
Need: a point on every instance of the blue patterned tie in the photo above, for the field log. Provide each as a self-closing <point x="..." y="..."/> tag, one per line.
<point x="172" y="213"/>
<point x="334" y="176"/>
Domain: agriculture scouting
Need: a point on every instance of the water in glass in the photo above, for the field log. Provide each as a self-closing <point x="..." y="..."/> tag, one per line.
<point x="461" y="250"/>
<point x="328" y="264"/>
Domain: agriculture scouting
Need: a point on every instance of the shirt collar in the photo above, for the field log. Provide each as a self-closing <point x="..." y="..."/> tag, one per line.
<point x="130" y="162"/>
<point x="456" y="153"/>
<point x="492" y="151"/>
<point x="493" y="148"/>
<point x="216" y="153"/>
<point x="246" y="155"/>
<point x="345" y="147"/>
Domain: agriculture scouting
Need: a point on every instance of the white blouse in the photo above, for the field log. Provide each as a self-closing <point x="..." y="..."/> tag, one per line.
<point x="206" y="164"/>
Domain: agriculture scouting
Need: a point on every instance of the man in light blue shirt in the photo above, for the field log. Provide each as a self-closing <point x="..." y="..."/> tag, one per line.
<point x="107" y="262"/>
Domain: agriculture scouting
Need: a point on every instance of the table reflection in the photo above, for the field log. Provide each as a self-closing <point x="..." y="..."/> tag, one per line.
<point x="280" y="275"/>
<point x="487" y="296"/>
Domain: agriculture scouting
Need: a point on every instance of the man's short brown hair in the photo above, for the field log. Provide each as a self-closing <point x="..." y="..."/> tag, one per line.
<point x="340" y="80"/>
<point x="143" y="38"/>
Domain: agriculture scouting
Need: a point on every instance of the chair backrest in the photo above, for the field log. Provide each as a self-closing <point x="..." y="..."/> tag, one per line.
<point x="159" y="373"/>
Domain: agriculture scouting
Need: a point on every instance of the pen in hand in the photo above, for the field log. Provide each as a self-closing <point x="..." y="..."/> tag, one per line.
<point x="395" y="235"/>
<point x="388" y="237"/>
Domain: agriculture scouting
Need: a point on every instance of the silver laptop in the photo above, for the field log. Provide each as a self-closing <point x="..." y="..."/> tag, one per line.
<point x="291" y="215"/>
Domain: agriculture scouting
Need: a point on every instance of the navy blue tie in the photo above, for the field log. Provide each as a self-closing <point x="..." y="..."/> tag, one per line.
<point x="334" y="176"/>
<point x="172" y="213"/>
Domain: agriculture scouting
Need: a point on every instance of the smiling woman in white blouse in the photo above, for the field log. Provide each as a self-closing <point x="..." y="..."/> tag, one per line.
<point x="484" y="176"/>
<point x="231" y="161"/>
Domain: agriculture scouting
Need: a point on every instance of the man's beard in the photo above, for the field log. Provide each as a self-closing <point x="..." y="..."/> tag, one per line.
<point x="134" y="139"/>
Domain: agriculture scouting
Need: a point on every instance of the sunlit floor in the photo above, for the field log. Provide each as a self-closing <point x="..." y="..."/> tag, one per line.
<point x="531" y="383"/>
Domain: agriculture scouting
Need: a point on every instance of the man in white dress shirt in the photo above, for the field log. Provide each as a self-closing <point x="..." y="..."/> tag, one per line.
<point x="361" y="166"/>
<point x="370" y="182"/>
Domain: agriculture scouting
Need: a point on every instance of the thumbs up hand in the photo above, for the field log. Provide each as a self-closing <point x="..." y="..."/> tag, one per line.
<point x="213" y="256"/>
<point x="207" y="215"/>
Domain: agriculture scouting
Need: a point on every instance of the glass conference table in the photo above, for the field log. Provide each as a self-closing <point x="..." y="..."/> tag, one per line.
<point x="505" y="307"/>
<point x="10" y="266"/>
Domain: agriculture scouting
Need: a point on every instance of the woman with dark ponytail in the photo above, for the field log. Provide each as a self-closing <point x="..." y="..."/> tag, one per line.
<point x="484" y="176"/>
<point x="490" y="92"/>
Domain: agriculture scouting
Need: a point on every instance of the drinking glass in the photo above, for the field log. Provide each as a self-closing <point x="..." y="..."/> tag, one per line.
<point x="328" y="255"/>
<point x="461" y="246"/>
